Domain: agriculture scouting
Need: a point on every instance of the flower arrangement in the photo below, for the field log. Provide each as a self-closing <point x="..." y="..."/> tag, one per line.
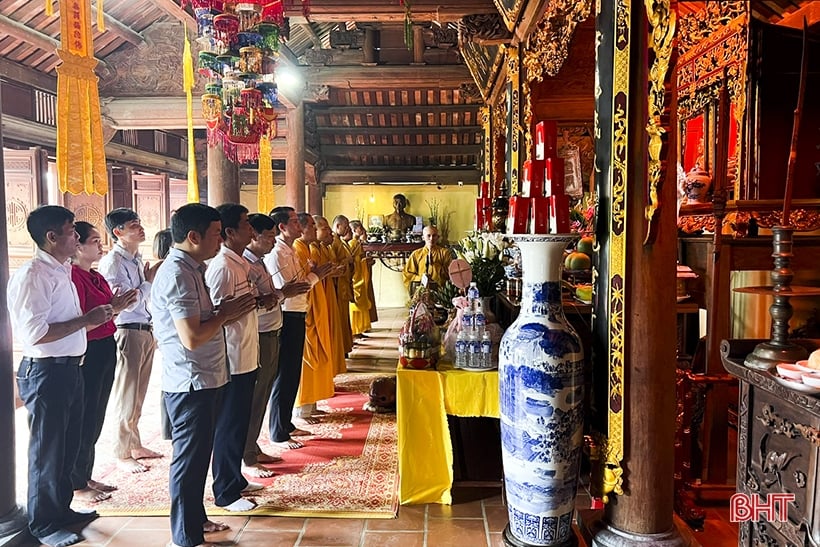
<point x="483" y="251"/>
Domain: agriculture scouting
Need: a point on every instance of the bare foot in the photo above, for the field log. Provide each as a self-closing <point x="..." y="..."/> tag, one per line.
<point x="102" y="487"/>
<point x="258" y="470"/>
<point x="144" y="453"/>
<point x="310" y="420"/>
<point x="89" y="495"/>
<point x="290" y="444"/>
<point x="267" y="458"/>
<point x="318" y="412"/>
<point x="300" y="432"/>
<point x="211" y="526"/>
<point x="132" y="465"/>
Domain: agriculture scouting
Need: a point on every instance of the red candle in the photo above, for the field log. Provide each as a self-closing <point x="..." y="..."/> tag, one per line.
<point x="482" y="213"/>
<point x="533" y="178"/>
<point x="546" y="139"/>
<point x="539" y="215"/>
<point x="559" y="214"/>
<point x="519" y="215"/>
<point x="555" y="177"/>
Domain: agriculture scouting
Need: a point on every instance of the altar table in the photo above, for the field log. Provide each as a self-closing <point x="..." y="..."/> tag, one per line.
<point x="424" y="398"/>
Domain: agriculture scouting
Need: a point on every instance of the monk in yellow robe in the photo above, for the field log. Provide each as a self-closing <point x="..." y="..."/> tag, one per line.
<point x="344" y="283"/>
<point x="316" y="381"/>
<point x="324" y="237"/>
<point x="360" y="307"/>
<point x="431" y="261"/>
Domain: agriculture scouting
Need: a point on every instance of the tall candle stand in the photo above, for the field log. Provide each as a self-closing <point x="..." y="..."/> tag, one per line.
<point x="779" y="350"/>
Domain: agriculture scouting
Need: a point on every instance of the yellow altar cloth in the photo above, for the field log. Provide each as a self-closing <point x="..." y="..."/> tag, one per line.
<point x="424" y="398"/>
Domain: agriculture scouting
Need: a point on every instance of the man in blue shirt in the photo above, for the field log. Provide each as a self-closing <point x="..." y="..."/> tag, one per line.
<point x="194" y="368"/>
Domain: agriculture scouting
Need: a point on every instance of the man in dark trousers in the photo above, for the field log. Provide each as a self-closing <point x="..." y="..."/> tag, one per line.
<point x="49" y="325"/>
<point x="191" y="340"/>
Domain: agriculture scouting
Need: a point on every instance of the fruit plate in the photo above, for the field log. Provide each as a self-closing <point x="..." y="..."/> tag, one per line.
<point x="797" y="386"/>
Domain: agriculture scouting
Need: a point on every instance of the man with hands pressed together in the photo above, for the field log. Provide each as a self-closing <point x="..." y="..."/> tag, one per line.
<point x="191" y="339"/>
<point x="50" y="326"/>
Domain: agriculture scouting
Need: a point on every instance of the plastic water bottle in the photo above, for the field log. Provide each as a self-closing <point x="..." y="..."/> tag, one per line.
<point x="473" y="351"/>
<point x="472" y="291"/>
<point x="467" y="321"/>
<point x="479" y="319"/>
<point x="461" y="349"/>
<point x="486" y="351"/>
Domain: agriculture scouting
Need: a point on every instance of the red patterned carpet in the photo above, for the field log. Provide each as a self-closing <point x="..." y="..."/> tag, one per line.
<point x="348" y="467"/>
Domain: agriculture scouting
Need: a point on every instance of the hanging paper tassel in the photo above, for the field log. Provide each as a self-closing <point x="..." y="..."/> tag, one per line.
<point x="264" y="189"/>
<point x="188" y="84"/>
<point x="100" y="16"/>
<point x="49" y="8"/>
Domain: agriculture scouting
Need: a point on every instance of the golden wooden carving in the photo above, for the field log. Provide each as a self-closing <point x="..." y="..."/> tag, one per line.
<point x="509" y="10"/>
<point x="484" y="117"/>
<point x="662" y="31"/>
<point x="514" y="132"/>
<point x="499" y="128"/>
<point x="700" y="25"/>
<point x="548" y="45"/>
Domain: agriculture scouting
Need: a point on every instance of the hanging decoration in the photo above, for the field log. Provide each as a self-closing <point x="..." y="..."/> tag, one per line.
<point x="240" y="46"/>
<point x="80" y="148"/>
<point x="188" y="83"/>
<point x="264" y="192"/>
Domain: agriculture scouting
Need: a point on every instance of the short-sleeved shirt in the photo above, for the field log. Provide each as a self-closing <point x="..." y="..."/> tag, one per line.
<point x="178" y="292"/>
<point x="41" y="293"/>
<point x="269" y="320"/>
<point x="228" y="275"/>
<point x="284" y="266"/>
<point x="93" y="291"/>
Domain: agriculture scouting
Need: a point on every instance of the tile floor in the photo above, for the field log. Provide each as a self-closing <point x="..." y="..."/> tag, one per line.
<point x="476" y="518"/>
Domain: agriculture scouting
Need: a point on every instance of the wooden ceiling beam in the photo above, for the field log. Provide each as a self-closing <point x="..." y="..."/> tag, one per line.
<point x="173" y="8"/>
<point x="119" y="29"/>
<point x="333" y="130"/>
<point x="22" y="32"/>
<point x="374" y="110"/>
<point x="810" y="11"/>
<point x="388" y="77"/>
<point x="379" y="11"/>
<point x="441" y="175"/>
<point x="400" y="149"/>
<point x="23" y="74"/>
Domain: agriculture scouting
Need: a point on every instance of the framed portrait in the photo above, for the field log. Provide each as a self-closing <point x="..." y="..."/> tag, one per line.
<point x="376" y="220"/>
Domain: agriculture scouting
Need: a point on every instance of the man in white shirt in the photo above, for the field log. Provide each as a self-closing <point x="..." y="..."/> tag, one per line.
<point x="269" y="327"/>
<point x="123" y="268"/>
<point x="227" y="277"/>
<point x="48" y="323"/>
<point x="285" y="267"/>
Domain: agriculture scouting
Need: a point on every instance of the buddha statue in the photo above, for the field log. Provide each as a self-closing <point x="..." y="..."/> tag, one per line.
<point x="398" y="222"/>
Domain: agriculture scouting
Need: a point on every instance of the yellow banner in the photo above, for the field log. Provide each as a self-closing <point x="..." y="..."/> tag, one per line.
<point x="264" y="190"/>
<point x="80" y="149"/>
<point x="188" y="82"/>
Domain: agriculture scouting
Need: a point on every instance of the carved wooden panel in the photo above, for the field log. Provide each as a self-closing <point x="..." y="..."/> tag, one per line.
<point x="150" y="195"/>
<point x="23" y="174"/>
<point x="91" y="209"/>
<point x="177" y="195"/>
<point x="119" y="180"/>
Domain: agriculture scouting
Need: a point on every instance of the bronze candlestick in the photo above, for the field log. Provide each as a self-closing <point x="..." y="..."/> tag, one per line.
<point x="779" y="350"/>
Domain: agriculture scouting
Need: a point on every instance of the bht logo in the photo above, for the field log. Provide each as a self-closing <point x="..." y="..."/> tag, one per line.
<point x="746" y="507"/>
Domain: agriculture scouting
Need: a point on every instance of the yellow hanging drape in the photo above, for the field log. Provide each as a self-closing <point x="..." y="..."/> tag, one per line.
<point x="188" y="83"/>
<point x="80" y="148"/>
<point x="264" y="190"/>
<point x="100" y="16"/>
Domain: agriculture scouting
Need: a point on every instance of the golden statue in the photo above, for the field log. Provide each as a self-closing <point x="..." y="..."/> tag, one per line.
<point x="398" y="222"/>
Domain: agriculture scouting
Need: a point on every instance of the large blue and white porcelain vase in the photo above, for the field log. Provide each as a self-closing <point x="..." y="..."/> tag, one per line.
<point x="540" y="373"/>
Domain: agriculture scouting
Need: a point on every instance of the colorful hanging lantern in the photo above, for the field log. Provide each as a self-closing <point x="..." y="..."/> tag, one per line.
<point x="242" y="128"/>
<point x="269" y="93"/>
<point x="250" y="59"/>
<point x="204" y="23"/>
<point x="211" y="110"/>
<point x="251" y="99"/>
<point x="247" y="39"/>
<point x="249" y="13"/>
<point x="226" y="26"/>
<point x="274" y="11"/>
<point x="269" y="34"/>
<point x="207" y="65"/>
<point x="231" y="89"/>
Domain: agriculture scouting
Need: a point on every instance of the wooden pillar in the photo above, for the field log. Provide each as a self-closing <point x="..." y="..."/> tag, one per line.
<point x="418" y="45"/>
<point x="635" y="291"/>
<point x="223" y="178"/>
<point x="295" y="162"/>
<point x="314" y="199"/>
<point x="12" y="517"/>
<point x="369" y="53"/>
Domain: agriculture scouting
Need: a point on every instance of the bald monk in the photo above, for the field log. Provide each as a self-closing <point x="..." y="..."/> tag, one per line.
<point x="324" y="236"/>
<point x="344" y="283"/>
<point x="360" y="307"/>
<point x="316" y="382"/>
<point x="431" y="261"/>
